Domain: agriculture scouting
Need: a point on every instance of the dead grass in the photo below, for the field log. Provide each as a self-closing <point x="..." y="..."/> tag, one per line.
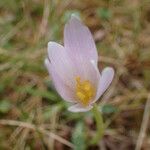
<point x="32" y="115"/>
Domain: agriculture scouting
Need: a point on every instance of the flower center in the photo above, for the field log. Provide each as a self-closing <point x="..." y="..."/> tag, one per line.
<point x="84" y="91"/>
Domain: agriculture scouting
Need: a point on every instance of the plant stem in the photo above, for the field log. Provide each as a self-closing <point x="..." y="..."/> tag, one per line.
<point x="99" y="124"/>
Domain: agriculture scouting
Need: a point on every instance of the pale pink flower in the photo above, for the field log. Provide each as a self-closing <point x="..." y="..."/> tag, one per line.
<point x="73" y="67"/>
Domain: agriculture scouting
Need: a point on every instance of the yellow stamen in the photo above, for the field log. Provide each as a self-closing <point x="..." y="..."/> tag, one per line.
<point x="84" y="91"/>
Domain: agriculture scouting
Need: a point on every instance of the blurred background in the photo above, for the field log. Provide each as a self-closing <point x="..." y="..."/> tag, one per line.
<point x="33" y="116"/>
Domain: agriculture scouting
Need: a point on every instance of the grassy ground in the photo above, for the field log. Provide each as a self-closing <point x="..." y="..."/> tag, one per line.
<point x="33" y="116"/>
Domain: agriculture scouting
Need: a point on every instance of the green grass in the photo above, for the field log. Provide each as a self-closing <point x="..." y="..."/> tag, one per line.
<point x="32" y="114"/>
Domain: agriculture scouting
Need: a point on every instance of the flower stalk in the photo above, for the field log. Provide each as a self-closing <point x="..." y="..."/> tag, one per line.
<point x="99" y="124"/>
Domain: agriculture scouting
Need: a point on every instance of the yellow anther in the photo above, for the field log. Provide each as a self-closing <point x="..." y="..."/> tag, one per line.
<point x="80" y="95"/>
<point x="87" y="87"/>
<point x="84" y="91"/>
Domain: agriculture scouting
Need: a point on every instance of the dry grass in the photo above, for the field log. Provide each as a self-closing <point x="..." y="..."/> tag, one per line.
<point x="33" y="116"/>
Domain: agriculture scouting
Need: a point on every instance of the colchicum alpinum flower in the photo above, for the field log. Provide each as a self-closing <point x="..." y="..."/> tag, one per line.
<point x="73" y="67"/>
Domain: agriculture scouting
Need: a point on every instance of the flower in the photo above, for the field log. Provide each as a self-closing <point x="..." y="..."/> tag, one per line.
<point x="73" y="67"/>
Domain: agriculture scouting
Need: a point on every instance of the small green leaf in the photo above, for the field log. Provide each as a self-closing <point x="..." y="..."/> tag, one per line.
<point x="37" y="92"/>
<point x="78" y="137"/>
<point x="47" y="113"/>
<point x="50" y="111"/>
<point x="4" y="106"/>
<point x="108" y="109"/>
<point x="104" y="13"/>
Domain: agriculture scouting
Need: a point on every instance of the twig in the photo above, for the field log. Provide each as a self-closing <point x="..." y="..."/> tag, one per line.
<point x="11" y="33"/>
<point x="43" y="25"/>
<point x="144" y="125"/>
<point x="35" y="128"/>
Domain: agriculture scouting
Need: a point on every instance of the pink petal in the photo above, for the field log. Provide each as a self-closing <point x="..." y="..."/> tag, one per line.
<point x="81" y="49"/>
<point x="105" y="80"/>
<point x="79" y="108"/>
<point x="64" y="90"/>
<point x="89" y="72"/>
<point x="62" y="63"/>
<point x="79" y="42"/>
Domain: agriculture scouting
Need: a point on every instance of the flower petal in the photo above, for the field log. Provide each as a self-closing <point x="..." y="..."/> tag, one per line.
<point x="79" y="108"/>
<point x="78" y="41"/>
<point x="105" y="80"/>
<point x="81" y="48"/>
<point x="90" y="72"/>
<point x="61" y="62"/>
<point x="64" y="90"/>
